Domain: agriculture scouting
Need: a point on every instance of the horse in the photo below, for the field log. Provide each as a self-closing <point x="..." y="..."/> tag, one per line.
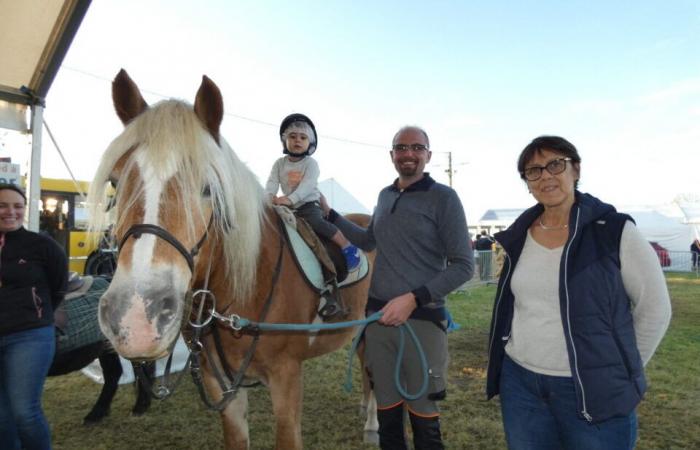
<point x="180" y="186"/>
<point x="79" y="342"/>
<point x="111" y="369"/>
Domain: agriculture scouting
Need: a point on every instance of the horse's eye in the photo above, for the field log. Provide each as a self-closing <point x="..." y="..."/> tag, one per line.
<point x="206" y="192"/>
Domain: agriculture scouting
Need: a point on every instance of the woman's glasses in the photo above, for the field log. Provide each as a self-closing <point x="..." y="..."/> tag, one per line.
<point x="554" y="167"/>
<point x="403" y="148"/>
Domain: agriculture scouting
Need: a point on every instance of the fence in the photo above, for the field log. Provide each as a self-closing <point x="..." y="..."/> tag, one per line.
<point x="679" y="261"/>
<point x="487" y="265"/>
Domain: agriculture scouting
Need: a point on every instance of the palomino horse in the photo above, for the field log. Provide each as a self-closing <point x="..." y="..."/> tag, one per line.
<point x="179" y="187"/>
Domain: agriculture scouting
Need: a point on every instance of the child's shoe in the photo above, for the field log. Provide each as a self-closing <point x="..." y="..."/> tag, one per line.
<point x="352" y="257"/>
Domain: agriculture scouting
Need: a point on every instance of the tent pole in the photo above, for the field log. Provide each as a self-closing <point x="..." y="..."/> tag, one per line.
<point x="34" y="171"/>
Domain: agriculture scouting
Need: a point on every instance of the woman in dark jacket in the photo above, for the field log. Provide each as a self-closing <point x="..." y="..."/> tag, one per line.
<point x="33" y="276"/>
<point x="581" y="306"/>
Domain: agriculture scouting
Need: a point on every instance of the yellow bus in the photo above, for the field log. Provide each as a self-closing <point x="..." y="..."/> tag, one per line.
<point x="63" y="215"/>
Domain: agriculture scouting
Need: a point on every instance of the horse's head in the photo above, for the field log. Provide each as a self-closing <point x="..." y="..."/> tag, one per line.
<point x="177" y="204"/>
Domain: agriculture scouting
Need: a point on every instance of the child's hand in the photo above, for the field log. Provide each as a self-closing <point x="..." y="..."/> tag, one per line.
<point x="283" y="200"/>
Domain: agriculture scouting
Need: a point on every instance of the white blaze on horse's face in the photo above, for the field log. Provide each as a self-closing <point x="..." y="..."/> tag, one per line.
<point x="142" y="309"/>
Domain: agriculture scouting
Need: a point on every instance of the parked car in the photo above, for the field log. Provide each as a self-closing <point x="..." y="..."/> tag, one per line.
<point x="662" y="252"/>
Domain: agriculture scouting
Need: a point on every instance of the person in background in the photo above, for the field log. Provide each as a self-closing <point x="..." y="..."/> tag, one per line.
<point x="33" y="280"/>
<point x="296" y="174"/>
<point x="420" y="234"/>
<point x="484" y="245"/>
<point x="695" y="253"/>
<point x="581" y="307"/>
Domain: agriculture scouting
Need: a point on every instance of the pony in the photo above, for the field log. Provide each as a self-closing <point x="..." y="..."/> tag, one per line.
<point x="79" y="342"/>
<point x="192" y="219"/>
<point x="111" y="369"/>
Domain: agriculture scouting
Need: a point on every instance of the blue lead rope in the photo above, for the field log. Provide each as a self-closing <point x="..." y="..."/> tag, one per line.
<point x="245" y="323"/>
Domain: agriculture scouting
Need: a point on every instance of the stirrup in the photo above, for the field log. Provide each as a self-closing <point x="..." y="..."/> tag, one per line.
<point x="332" y="309"/>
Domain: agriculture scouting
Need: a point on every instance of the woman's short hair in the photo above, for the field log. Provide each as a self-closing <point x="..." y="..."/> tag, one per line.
<point x="12" y="187"/>
<point x="553" y="143"/>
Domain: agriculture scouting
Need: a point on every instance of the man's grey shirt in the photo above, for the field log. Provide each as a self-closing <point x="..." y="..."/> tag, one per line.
<point x="422" y="242"/>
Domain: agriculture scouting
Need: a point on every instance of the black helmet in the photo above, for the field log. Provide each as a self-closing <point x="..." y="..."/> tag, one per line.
<point x="290" y="120"/>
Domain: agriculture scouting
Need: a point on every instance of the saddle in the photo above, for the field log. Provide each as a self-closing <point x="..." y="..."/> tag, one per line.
<point x="321" y="261"/>
<point x="76" y="317"/>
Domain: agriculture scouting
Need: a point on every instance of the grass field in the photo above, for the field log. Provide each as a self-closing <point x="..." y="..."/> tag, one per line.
<point x="668" y="417"/>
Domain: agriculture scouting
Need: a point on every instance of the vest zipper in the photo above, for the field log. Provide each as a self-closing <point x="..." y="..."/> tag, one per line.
<point x="575" y="374"/>
<point x="495" y="313"/>
<point x="2" y="244"/>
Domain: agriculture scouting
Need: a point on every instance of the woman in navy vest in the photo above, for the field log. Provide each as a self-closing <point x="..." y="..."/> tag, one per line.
<point x="581" y="306"/>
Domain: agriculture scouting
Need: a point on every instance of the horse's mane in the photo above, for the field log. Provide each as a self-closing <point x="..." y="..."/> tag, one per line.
<point x="168" y="140"/>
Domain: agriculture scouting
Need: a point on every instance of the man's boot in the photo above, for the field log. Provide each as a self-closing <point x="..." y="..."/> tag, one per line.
<point x="392" y="435"/>
<point x="426" y="433"/>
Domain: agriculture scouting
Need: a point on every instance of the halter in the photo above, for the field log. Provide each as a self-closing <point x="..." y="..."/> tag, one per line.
<point x="138" y="229"/>
<point x="165" y="388"/>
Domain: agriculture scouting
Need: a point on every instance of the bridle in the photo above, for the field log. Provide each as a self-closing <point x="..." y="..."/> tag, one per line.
<point x="139" y="229"/>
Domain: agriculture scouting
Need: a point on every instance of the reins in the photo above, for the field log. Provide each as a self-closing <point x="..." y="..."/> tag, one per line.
<point x="230" y="386"/>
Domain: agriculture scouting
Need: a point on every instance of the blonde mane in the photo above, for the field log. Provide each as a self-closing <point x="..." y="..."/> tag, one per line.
<point x="169" y="140"/>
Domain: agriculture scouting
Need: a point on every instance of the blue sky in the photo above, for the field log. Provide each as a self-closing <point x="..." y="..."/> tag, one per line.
<point x="621" y="80"/>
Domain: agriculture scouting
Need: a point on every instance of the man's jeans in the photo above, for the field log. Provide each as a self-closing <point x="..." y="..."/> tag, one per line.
<point x="540" y="413"/>
<point x="25" y="358"/>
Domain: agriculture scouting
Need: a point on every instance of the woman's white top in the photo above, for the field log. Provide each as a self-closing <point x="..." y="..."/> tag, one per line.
<point x="537" y="334"/>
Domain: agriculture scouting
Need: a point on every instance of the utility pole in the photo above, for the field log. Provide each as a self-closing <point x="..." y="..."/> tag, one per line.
<point x="449" y="168"/>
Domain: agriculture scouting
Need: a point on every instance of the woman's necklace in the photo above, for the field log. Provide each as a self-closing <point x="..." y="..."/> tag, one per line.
<point x="558" y="227"/>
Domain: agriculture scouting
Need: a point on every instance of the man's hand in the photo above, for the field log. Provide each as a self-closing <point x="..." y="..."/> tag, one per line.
<point x="398" y="310"/>
<point x="283" y="200"/>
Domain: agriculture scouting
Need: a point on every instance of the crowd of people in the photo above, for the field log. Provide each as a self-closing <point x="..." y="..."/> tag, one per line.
<point x="580" y="308"/>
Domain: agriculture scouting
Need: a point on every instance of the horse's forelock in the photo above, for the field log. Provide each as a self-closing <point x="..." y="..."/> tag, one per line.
<point x="170" y="142"/>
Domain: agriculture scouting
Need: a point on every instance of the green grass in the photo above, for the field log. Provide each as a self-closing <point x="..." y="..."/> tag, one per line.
<point x="668" y="417"/>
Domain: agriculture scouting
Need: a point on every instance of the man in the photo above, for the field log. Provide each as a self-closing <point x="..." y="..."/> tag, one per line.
<point x="423" y="253"/>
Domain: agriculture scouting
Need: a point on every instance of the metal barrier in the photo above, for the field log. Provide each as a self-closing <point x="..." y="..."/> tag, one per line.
<point x="486" y="269"/>
<point x="487" y="265"/>
<point x="679" y="261"/>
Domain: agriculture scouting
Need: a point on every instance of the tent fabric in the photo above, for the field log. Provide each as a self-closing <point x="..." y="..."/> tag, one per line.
<point x="340" y="199"/>
<point x="667" y="231"/>
<point x="34" y="38"/>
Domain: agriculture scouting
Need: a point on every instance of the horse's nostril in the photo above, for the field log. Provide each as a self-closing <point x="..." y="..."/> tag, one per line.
<point x="167" y="314"/>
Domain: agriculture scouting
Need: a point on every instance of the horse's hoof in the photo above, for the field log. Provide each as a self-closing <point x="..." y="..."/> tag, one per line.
<point x="136" y="412"/>
<point x="94" y="418"/>
<point x="371" y="437"/>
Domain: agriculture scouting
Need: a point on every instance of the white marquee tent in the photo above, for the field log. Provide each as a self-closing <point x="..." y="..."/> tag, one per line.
<point x="34" y="38"/>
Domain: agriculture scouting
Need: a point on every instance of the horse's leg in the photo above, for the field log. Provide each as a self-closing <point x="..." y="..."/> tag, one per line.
<point x="235" y="422"/>
<point x="369" y="402"/>
<point x="112" y="371"/>
<point x="234" y="418"/>
<point x="286" y="390"/>
<point x="143" y="396"/>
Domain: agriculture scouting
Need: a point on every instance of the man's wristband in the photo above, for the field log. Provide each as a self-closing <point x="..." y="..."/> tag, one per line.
<point x="422" y="295"/>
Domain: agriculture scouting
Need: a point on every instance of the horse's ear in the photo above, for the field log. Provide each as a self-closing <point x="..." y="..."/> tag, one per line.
<point x="209" y="106"/>
<point x="127" y="98"/>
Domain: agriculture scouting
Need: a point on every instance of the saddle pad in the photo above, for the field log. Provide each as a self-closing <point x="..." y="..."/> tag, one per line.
<point x="312" y="268"/>
<point x="82" y="327"/>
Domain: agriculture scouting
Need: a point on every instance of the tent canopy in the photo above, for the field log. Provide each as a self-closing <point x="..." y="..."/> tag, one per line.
<point x="340" y="199"/>
<point x="34" y="38"/>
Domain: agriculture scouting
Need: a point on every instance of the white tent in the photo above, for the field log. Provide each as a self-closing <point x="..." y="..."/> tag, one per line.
<point x="667" y="231"/>
<point x="340" y="199"/>
<point x="691" y="211"/>
<point x="34" y="38"/>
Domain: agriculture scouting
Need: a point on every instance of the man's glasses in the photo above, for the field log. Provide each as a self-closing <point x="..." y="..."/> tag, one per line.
<point x="403" y="148"/>
<point x="555" y="166"/>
